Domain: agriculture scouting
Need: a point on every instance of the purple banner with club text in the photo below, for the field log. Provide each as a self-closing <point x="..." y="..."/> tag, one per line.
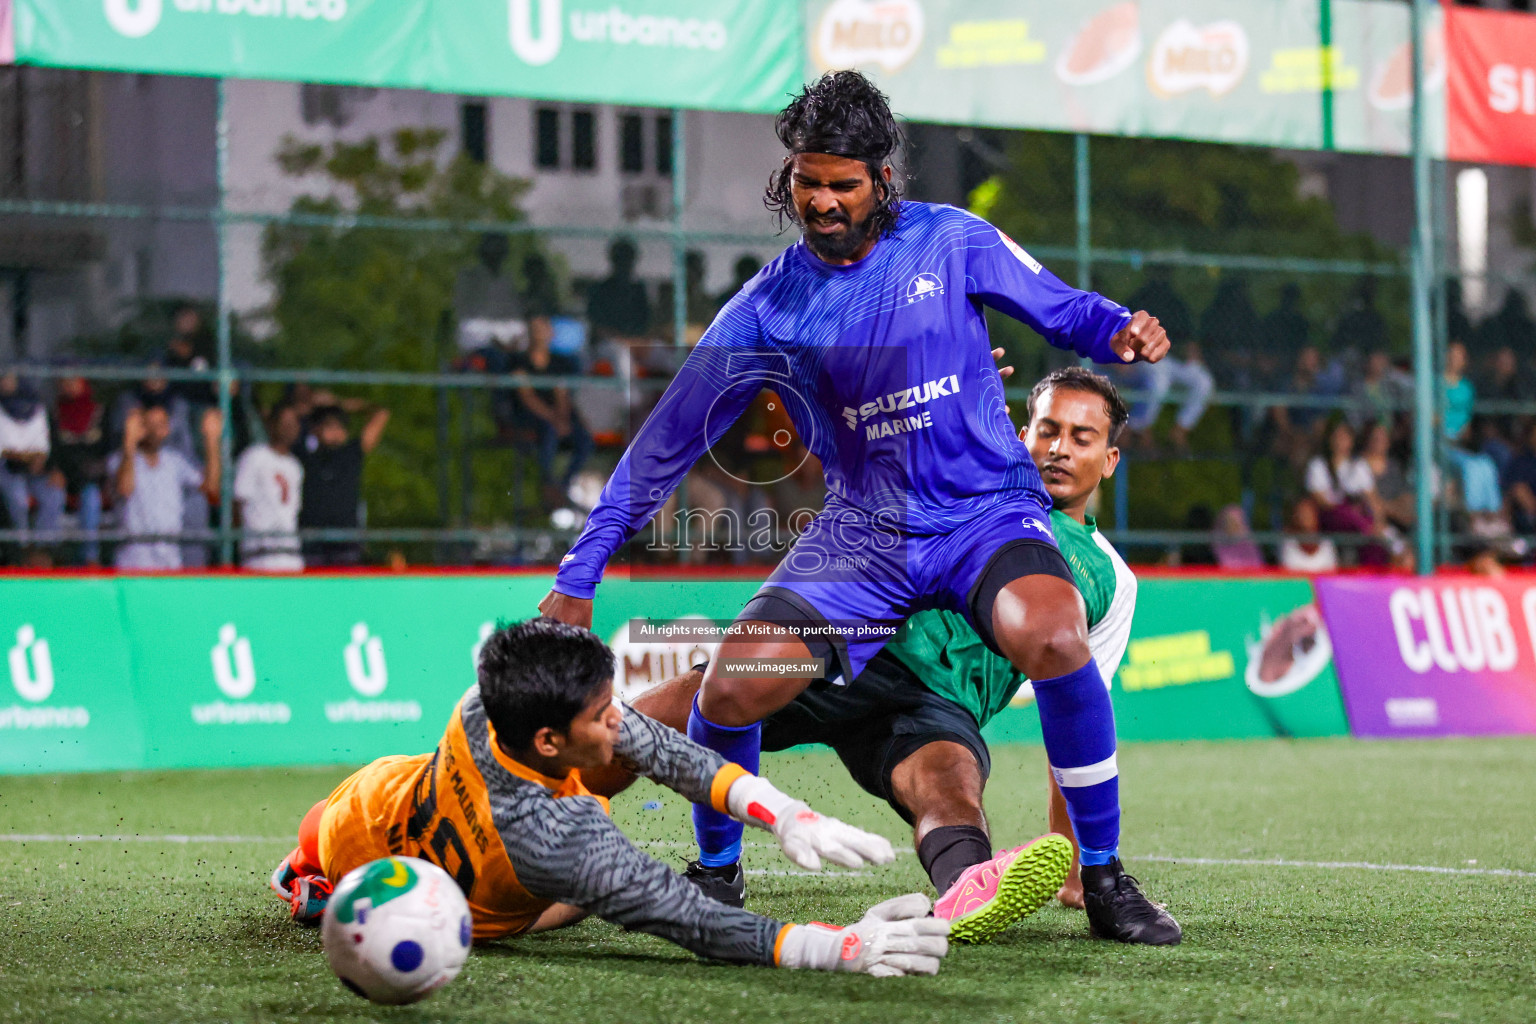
<point x="1449" y="656"/>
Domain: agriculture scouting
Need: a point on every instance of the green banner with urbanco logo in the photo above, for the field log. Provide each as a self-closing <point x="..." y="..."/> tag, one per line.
<point x="721" y="54"/>
<point x="225" y="671"/>
<point x="1301" y="74"/>
<point x="1216" y="659"/>
<point x="176" y="672"/>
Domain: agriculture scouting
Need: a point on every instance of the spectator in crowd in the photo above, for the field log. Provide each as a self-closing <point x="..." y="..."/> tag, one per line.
<point x="1343" y="488"/>
<point x="333" y="479"/>
<point x="617" y="306"/>
<point x="1504" y="382"/>
<point x="269" y="485"/>
<point x="1304" y="550"/>
<point x="1478" y="473"/>
<point x="1188" y="371"/>
<point x="1361" y="328"/>
<point x="1228" y="328"/>
<point x="1283" y="333"/>
<point x="1298" y="428"/>
<point x="548" y="412"/>
<point x="80" y="452"/>
<point x="25" y="476"/>
<point x="1234" y="544"/>
<point x="154" y="390"/>
<point x="184" y="351"/>
<point x="149" y="477"/>
<point x="1394" y="491"/>
<point x="1379" y="392"/>
<point x="489" y="310"/>
<point x="746" y="269"/>
<point x="1520" y="485"/>
<point x="1511" y="327"/>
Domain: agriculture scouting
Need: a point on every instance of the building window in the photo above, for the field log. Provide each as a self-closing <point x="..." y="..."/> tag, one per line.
<point x="546" y="145"/>
<point x="664" y="145"/>
<point x="631" y="143"/>
<point x="472" y="131"/>
<point x="583" y="140"/>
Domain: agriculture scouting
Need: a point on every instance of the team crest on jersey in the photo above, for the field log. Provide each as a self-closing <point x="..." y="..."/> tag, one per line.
<point x="924" y="286"/>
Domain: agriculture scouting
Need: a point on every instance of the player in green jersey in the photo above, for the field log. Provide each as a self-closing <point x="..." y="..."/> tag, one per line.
<point x="909" y="727"/>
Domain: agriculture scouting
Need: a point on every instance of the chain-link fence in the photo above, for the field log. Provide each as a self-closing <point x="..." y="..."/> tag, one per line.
<point x="442" y="318"/>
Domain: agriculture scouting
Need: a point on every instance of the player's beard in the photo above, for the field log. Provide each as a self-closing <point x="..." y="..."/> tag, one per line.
<point x="841" y="246"/>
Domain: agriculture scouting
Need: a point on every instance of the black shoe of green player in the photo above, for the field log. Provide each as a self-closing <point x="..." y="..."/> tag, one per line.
<point x="726" y="884"/>
<point x="1117" y="908"/>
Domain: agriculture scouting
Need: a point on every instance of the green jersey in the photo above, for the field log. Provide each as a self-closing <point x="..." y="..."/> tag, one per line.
<point x="951" y="660"/>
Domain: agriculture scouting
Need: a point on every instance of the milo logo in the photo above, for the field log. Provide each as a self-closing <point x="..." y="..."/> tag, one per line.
<point x="855" y="32"/>
<point x="370" y="887"/>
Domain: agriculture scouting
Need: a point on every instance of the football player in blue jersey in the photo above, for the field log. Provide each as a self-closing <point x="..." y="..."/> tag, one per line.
<point x="871" y="331"/>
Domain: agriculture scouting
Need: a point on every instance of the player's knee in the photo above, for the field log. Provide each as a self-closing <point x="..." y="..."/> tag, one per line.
<point x="1057" y="650"/>
<point x="733" y="702"/>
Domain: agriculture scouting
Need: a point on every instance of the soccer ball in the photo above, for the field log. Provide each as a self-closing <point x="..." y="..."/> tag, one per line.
<point x="397" y="929"/>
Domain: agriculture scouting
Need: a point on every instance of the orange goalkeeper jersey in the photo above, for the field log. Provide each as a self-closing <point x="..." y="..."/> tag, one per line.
<point x="517" y="841"/>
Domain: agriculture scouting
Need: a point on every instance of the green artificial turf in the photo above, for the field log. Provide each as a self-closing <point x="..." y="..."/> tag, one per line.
<point x="164" y="931"/>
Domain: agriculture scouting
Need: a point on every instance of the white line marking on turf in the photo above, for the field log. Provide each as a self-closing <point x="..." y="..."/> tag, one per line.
<point x="1338" y="865"/>
<point x="47" y="837"/>
<point x="1274" y="862"/>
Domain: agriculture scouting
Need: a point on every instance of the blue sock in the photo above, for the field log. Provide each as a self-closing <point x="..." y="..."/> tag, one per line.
<point x="719" y="835"/>
<point x="1079" y="727"/>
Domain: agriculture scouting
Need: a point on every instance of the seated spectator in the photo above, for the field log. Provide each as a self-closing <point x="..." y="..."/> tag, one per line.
<point x="148" y="478"/>
<point x="268" y="486"/>
<point x="1299" y="428"/>
<point x="25" y="476"/>
<point x="1394" y="491"/>
<point x="80" y="452"/>
<point x="548" y="412"/>
<point x="1379" y="393"/>
<point x="1479" y="474"/>
<point x="333" y="482"/>
<point x="1344" y="490"/>
<point x="1234" y="544"/>
<point x="1283" y="333"/>
<point x="1520" y="485"/>
<point x="1304" y="550"/>
<point x="485" y="300"/>
<point x="1187" y="371"/>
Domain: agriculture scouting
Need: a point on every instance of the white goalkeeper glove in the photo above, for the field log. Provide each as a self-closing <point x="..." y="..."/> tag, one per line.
<point x="804" y="836"/>
<point x="893" y="938"/>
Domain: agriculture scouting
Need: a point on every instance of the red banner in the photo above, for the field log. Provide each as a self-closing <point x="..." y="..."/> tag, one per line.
<point x="1491" y="93"/>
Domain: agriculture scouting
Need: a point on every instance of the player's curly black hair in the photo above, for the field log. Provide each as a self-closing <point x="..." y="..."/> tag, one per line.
<point x="539" y="673"/>
<point x="1080" y="378"/>
<point x="841" y="113"/>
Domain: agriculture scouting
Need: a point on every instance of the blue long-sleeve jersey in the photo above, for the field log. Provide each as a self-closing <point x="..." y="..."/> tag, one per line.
<point x="885" y="368"/>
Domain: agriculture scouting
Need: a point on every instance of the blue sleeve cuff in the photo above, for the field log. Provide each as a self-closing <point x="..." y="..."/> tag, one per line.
<point x="583" y="591"/>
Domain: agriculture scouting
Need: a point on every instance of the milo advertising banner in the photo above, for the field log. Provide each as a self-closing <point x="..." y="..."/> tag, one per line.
<point x="1294" y="73"/>
<point x="1216" y="659"/>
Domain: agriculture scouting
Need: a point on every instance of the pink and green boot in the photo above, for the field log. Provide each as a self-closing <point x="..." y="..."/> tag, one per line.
<point x="992" y="895"/>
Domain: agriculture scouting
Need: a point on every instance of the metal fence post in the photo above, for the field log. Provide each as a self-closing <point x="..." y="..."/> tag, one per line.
<point x="225" y="342"/>
<point x="1421" y="282"/>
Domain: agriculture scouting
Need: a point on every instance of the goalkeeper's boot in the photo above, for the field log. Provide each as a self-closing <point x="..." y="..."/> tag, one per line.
<point x="1117" y="908"/>
<point x="727" y="884"/>
<point x="992" y="895"/>
<point x="308" y="896"/>
<point x="282" y="879"/>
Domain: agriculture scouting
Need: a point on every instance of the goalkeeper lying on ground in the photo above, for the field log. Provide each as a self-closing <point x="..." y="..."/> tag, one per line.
<point x="909" y="727"/>
<point x="501" y="806"/>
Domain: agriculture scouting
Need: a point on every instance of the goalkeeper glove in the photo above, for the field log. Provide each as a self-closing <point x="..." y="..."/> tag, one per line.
<point x="804" y="836"/>
<point x="893" y="938"/>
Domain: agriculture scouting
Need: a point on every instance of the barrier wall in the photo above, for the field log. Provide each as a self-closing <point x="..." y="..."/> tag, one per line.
<point x="113" y="673"/>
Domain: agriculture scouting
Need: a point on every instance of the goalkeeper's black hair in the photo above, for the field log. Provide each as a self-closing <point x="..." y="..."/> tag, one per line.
<point x="843" y="114"/>
<point x="1080" y="378"/>
<point x="539" y="673"/>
